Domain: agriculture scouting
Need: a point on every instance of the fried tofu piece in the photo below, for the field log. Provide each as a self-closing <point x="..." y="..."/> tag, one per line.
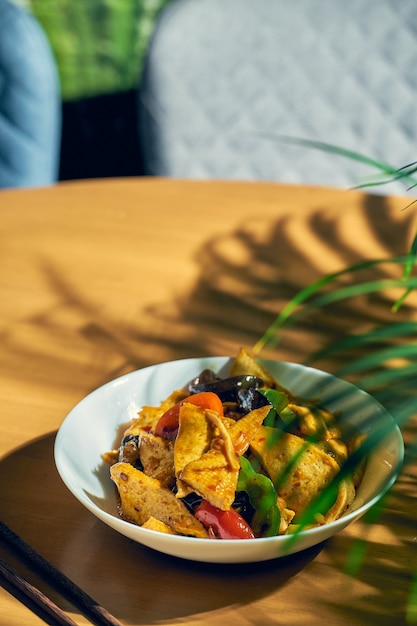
<point x="142" y="497"/>
<point x="212" y="478"/>
<point x="298" y="469"/>
<point x="194" y="436"/>
<point x="359" y="469"/>
<point x="286" y="516"/>
<point x="111" y="457"/>
<point x="243" y="430"/>
<point x="246" y="363"/>
<point x="148" y="416"/>
<point x="156" y="524"/>
<point x="157" y="457"/>
<point x="314" y="421"/>
<point x="335" y="448"/>
<point x="192" y="441"/>
<point x="212" y="473"/>
<point x="345" y="497"/>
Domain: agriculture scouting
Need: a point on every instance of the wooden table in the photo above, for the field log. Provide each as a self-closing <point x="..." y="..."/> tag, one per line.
<point x="100" y="278"/>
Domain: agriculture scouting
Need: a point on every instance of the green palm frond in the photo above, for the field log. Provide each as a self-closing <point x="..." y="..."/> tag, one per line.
<point x="382" y="361"/>
<point x="387" y="172"/>
<point x="378" y="368"/>
<point x="408" y="266"/>
<point x="377" y="358"/>
<point x="311" y="297"/>
<point x="376" y="335"/>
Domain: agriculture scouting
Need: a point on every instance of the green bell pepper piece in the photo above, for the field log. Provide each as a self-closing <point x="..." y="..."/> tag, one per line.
<point x="262" y="497"/>
<point x="279" y="402"/>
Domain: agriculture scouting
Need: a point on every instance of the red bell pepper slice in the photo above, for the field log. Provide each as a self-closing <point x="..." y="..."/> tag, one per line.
<point x="223" y="524"/>
<point x="167" y="425"/>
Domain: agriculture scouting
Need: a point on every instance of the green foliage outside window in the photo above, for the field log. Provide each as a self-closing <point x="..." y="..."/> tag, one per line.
<point x="99" y="45"/>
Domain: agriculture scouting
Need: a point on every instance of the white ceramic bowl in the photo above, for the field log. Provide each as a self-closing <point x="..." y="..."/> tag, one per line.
<point x="94" y="425"/>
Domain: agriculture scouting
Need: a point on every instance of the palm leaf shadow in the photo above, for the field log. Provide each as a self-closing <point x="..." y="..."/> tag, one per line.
<point x="244" y="278"/>
<point x="247" y="277"/>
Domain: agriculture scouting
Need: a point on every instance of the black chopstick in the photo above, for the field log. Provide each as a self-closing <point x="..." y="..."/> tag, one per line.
<point x="87" y="605"/>
<point x="17" y="583"/>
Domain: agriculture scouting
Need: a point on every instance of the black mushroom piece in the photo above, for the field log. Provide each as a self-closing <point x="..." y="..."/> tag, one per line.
<point x="129" y="451"/>
<point x="226" y="388"/>
<point x="251" y="399"/>
<point x="205" y="376"/>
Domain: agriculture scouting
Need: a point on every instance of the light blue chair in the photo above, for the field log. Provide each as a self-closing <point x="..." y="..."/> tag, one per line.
<point x="30" y="106"/>
<point x="223" y="77"/>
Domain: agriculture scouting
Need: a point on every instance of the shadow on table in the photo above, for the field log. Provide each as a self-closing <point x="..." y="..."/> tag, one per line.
<point x="244" y="280"/>
<point x="161" y="589"/>
<point x="378" y="566"/>
<point x="248" y="276"/>
<point x="53" y="522"/>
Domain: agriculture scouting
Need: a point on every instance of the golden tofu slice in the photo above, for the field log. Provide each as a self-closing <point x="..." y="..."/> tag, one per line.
<point x="157" y="457"/>
<point x="194" y="436"/>
<point x="212" y="478"/>
<point x="314" y="421"/>
<point x="286" y="516"/>
<point x="156" y="524"/>
<point x="246" y="363"/>
<point x="298" y="469"/>
<point x="212" y="473"/>
<point x="142" y="497"/>
<point x="345" y="497"/>
<point x="192" y="441"/>
<point x="243" y="431"/>
<point x="148" y="416"/>
<point x="336" y="448"/>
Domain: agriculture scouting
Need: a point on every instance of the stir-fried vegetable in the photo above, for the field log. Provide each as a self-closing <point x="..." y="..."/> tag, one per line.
<point x="223" y="524"/>
<point x="262" y="496"/>
<point x="280" y="410"/>
<point x="230" y="458"/>
<point x="167" y="426"/>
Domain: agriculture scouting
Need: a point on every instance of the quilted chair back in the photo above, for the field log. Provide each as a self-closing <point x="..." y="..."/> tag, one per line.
<point x="224" y="78"/>
<point x="30" y="107"/>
